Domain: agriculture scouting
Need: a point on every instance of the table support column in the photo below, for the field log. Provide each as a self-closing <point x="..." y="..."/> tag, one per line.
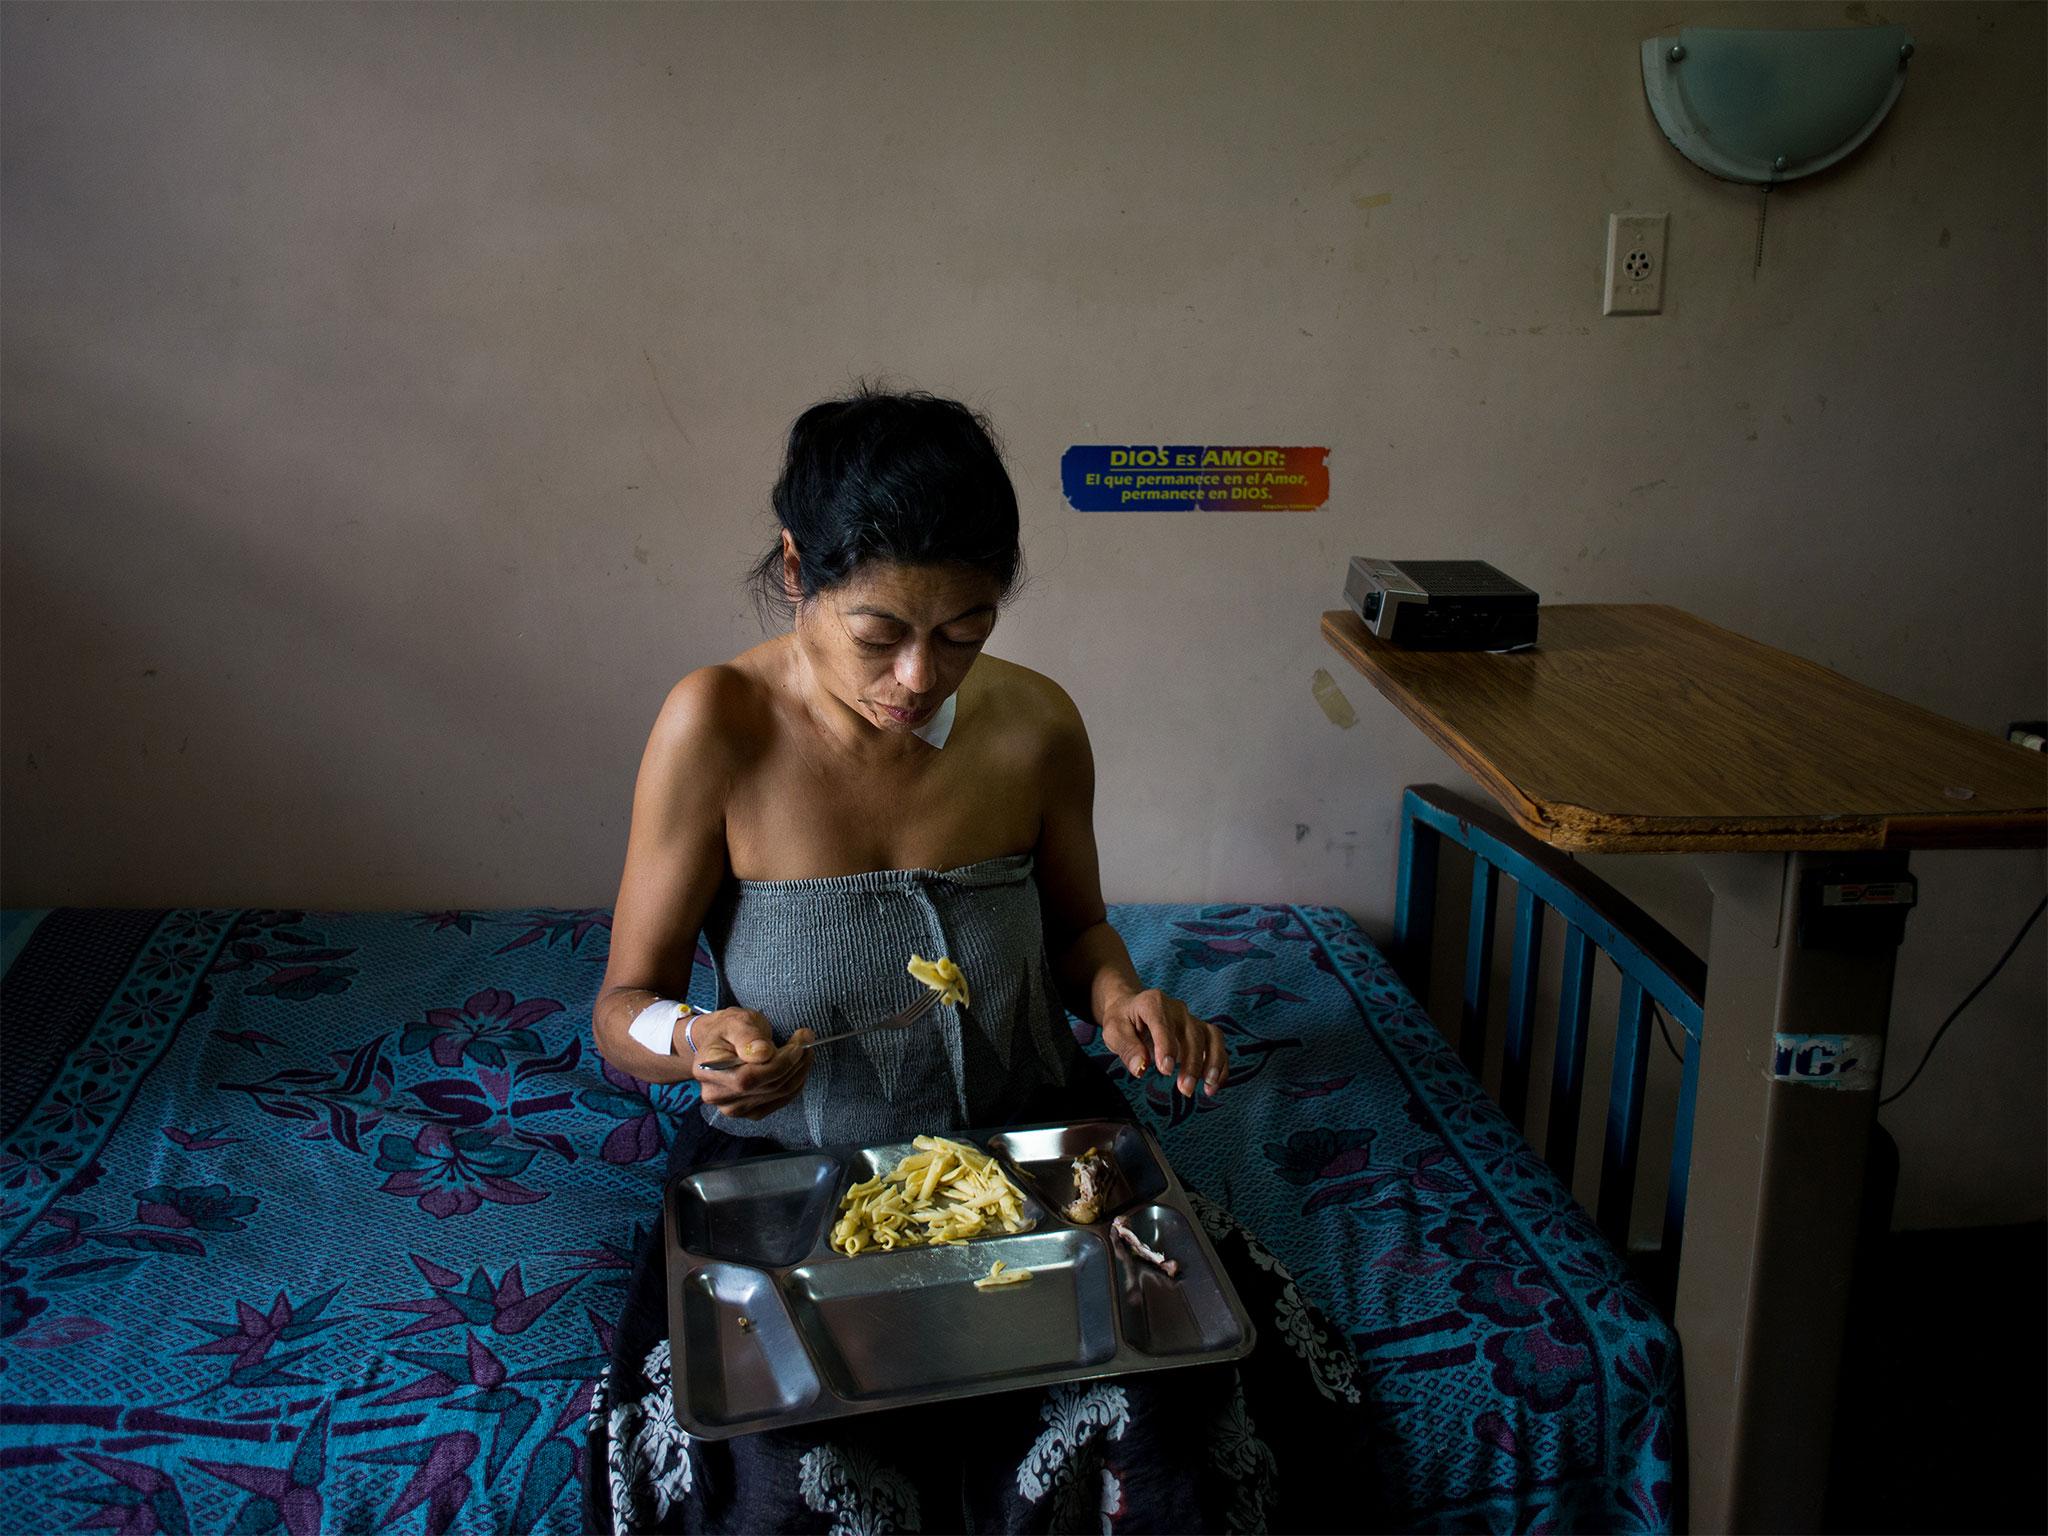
<point x="1796" y="1013"/>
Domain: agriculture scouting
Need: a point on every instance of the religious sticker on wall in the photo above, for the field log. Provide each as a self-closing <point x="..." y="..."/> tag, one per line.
<point x="1143" y="477"/>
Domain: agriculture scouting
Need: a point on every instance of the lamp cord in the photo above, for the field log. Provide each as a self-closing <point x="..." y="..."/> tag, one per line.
<point x="1928" y="1054"/>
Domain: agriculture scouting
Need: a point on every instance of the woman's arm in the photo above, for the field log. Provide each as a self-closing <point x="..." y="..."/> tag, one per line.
<point x="1096" y="977"/>
<point x="675" y="861"/>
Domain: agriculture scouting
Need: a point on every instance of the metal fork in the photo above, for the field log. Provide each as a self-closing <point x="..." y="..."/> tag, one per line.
<point x="903" y="1020"/>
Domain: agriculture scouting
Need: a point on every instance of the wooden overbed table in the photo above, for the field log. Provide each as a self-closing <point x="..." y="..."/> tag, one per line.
<point x="1639" y="728"/>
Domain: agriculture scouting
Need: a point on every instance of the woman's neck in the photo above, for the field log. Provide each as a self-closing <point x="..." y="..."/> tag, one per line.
<point x="841" y="725"/>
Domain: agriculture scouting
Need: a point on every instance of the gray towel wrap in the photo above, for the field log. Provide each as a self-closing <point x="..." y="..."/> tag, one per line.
<point x="792" y="950"/>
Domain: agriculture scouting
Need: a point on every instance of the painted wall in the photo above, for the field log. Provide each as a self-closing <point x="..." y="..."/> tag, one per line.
<point x="391" y="397"/>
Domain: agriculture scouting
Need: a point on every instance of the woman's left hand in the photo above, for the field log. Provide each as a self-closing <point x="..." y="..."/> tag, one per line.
<point x="1151" y="1027"/>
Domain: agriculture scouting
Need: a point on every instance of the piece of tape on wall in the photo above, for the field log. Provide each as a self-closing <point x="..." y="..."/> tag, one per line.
<point x="1332" y="700"/>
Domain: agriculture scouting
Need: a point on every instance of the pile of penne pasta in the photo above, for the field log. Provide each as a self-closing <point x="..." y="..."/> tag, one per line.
<point x="942" y="1192"/>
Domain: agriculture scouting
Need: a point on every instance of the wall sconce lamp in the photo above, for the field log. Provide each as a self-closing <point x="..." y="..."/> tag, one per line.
<point x="1764" y="107"/>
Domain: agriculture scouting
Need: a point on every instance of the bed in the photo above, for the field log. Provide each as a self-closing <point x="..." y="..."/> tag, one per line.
<point x="315" y="1220"/>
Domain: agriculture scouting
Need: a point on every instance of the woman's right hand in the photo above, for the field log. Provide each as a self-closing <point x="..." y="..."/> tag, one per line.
<point x="768" y="1076"/>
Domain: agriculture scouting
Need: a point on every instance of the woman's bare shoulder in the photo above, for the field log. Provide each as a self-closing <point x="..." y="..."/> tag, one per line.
<point x="1030" y="699"/>
<point x="718" y="708"/>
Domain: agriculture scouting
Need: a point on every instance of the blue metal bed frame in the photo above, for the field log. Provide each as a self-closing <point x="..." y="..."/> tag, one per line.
<point x="1656" y="969"/>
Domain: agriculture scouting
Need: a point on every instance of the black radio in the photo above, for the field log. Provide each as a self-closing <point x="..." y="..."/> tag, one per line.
<point x="1441" y="605"/>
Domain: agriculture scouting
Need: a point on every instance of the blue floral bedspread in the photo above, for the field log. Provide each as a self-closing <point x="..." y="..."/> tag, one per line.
<point x="317" y="1221"/>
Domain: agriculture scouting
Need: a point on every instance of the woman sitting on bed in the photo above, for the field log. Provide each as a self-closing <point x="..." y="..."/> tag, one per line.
<point x="868" y="786"/>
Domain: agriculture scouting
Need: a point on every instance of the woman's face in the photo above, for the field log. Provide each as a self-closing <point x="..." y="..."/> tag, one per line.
<point x="893" y="642"/>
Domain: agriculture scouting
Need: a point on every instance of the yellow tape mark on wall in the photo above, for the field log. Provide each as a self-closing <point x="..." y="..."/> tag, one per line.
<point x="1332" y="701"/>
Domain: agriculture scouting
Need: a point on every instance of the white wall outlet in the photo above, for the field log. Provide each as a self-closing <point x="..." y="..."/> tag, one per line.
<point x="1635" y="264"/>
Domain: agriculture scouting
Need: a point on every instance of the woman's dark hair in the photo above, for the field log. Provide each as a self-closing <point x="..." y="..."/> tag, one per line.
<point x="908" y="478"/>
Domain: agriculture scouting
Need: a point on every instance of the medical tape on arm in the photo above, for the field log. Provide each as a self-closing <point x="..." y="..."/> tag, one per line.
<point x="655" y="1026"/>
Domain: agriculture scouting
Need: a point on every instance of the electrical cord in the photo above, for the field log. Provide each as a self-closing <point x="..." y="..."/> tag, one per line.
<point x="1675" y="1053"/>
<point x="1928" y="1054"/>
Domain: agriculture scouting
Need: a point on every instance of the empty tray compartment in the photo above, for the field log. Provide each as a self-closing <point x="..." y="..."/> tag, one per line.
<point x="913" y="1321"/>
<point x="731" y="1375"/>
<point x="1044" y="1160"/>
<point x="1184" y="1314"/>
<point x="764" y="1210"/>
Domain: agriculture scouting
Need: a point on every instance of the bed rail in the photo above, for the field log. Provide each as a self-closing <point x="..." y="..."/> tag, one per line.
<point x="1655" y="968"/>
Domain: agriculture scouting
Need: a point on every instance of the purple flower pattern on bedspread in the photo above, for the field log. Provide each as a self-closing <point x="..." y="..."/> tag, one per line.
<point x="1522" y="1379"/>
<point x="323" y="1223"/>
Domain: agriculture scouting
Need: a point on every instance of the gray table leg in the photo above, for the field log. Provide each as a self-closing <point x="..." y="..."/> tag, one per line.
<point x="1787" y="1096"/>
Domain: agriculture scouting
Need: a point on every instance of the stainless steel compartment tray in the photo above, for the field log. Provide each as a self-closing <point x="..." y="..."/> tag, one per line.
<point x="770" y="1327"/>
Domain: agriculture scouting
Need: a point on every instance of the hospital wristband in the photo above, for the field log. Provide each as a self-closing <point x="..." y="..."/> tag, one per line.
<point x="655" y="1025"/>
